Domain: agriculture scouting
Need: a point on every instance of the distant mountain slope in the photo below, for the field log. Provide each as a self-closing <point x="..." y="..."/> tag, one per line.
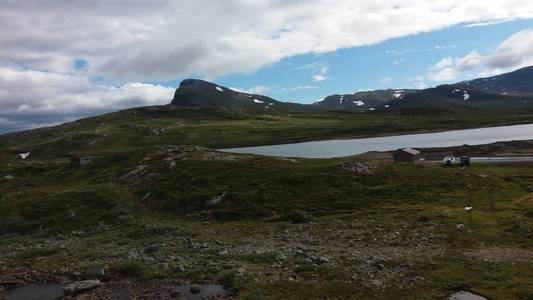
<point x="199" y="93"/>
<point x="517" y="82"/>
<point x="361" y="100"/>
<point x="512" y="90"/>
<point x="460" y="96"/>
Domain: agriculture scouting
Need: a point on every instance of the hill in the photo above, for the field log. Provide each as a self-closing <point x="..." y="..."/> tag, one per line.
<point x="361" y="100"/>
<point x="199" y="93"/>
<point x="516" y="82"/>
<point x="510" y="91"/>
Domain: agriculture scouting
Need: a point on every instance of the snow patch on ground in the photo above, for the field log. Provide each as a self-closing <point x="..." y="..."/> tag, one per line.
<point x="258" y="101"/>
<point x="219" y="89"/>
<point x="466" y="96"/>
<point x="359" y="103"/>
<point x="24" y="155"/>
<point x="398" y="94"/>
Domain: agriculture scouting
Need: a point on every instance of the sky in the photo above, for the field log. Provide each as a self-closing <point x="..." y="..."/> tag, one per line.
<point x="63" y="60"/>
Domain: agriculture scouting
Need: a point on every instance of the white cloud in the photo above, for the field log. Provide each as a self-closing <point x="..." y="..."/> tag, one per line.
<point x="319" y="77"/>
<point x="135" y="41"/>
<point x="258" y="89"/>
<point x="167" y="39"/>
<point x="35" y="98"/>
<point x="299" y="88"/>
<point x="444" y="75"/>
<point x="471" y="61"/>
<point x="386" y="80"/>
<point x="513" y="53"/>
<point x="443" y="63"/>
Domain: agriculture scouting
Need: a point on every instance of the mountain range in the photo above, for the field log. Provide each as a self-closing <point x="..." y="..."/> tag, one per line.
<point x="509" y="90"/>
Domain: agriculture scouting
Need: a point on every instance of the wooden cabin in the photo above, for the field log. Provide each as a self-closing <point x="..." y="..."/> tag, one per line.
<point x="406" y="155"/>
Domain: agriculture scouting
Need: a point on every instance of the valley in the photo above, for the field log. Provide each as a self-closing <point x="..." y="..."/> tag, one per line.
<point x="155" y="208"/>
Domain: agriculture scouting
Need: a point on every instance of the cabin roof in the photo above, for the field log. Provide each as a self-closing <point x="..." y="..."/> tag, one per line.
<point x="409" y="150"/>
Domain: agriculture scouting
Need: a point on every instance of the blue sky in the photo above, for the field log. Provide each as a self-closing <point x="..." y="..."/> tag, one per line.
<point x="394" y="63"/>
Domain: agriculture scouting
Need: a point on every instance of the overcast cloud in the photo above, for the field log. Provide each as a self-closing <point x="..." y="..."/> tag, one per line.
<point x="138" y="41"/>
<point x="514" y="53"/>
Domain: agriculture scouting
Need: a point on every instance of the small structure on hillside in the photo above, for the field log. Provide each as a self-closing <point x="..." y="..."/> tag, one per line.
<point x="406" y="155"/>
<point x="465" y="161"/>
<point x="78" y="160"/>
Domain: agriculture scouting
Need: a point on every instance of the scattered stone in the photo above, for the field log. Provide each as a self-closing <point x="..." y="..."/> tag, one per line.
<point x="8" y="177"/>
<point x="377" y="283"/>
<point x="323" y="260"/>
<point x="359" y="167"/>
<point x="460" y="226"/>
<point x="174" y="292"/>
<point x="96" y="271"/>
<point x="468" y="208"/>
<point x="196" y="289"/>
<point x="81" y="286"/>
<point x="179" y="269"/>
<point x="24" y="155"/>
<point x="216" y="200"/>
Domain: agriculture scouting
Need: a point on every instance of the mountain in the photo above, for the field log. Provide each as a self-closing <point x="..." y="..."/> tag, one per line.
<point x="199" y="93"/>
<point x="512" y="90"/>
<point x="517" y="82"/>
<point x="367" y="100"/>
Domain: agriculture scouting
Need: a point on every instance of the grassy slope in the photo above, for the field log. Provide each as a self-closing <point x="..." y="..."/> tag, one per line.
<point x="388" y="234"/>
<point x="141" y="127"/>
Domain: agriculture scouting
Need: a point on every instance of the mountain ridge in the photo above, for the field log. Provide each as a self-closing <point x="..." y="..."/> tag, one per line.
<point x="492" y="92"/>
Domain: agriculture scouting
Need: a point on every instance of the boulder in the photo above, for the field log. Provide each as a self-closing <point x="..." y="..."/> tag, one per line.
<point x="81" y="286"/>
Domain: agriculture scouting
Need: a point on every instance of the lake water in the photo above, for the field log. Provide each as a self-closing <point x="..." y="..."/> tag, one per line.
<point x="347" y="147"/>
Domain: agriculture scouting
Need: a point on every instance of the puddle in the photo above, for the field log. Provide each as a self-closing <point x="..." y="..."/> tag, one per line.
<point x="206" y="291"/>
<point x="465" y="295"/>
<point x="39" y="291"/>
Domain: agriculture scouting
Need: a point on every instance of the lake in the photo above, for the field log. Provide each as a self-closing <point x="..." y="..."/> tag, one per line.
<point x="347" y="147"/>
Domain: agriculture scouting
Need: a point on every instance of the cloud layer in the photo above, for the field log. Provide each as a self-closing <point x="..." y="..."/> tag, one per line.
<point x="515" y="52"/>
<point x="35" y="98"/>
<point x="51" y="49"/>
<point x="156" y="40"/>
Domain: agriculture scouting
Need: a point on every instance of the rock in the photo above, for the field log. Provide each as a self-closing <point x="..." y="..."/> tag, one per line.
<point x="216" y="200"/>
<point x="179" y="269"/>
<point x="174" y="292"/>
<point x="358" y="167"/>
<point x="95" y="271"/>
<point x="8" y="177"/>
<point x="24" y="155"/>
<point x="223" y="252"/>
<point x="323" y="260"/>
<point x="196" y="289"/>
<point x="71" y="215"/>
<point x="377" y="283"/>
<point x="460" y="226"/>
<point x="81" y="286"/>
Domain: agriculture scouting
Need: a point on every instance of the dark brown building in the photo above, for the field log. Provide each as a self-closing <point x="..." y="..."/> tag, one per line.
<point x="406" y="155"/>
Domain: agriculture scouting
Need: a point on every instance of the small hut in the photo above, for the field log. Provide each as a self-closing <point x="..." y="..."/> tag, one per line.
<point x="78" y="160"/>
<point x="406" y="155"/>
